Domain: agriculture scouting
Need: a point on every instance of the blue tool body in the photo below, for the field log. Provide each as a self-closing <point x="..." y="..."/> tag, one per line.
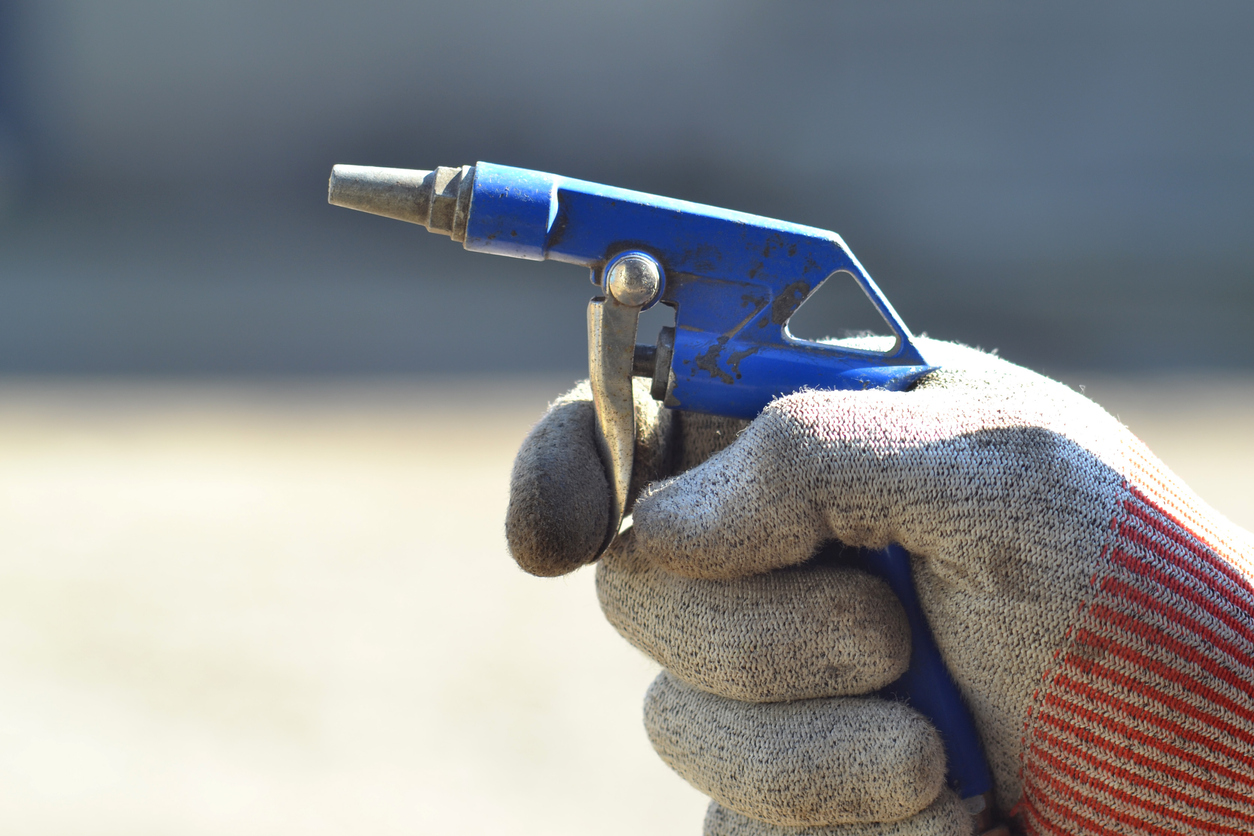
<point x="734" y="279"/>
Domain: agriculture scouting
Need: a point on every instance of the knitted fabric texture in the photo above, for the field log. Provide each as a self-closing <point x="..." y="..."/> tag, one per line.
<point x="786" y="635"/>
<point x="1097" y="616"/>
<point x="1144" y="723"/>
<point x="946" y="816"/>
<point x="823" y="761"/>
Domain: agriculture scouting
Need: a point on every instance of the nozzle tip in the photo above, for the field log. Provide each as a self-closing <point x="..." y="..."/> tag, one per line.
<point x="400" y="193"/>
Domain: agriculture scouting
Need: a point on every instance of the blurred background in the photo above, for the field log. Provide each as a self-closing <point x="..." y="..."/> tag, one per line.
<point x="254" y="469"/>
<point x="1072" y="184"/>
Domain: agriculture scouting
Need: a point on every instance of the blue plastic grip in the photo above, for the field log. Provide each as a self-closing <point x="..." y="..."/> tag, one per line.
<point x="927" y="685"/>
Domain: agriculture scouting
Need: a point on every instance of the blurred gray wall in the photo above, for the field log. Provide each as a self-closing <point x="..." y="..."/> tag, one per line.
<point x="1071" y="183"/>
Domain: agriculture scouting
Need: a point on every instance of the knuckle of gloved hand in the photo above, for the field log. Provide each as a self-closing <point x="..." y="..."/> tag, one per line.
<point x="819" y="422"/>
<point x="558" y="509"/>
<point x="787" y="635"/>
<point x="946" y="816"/>
<point x="807" y="763"/>
<point x="748" y="509"/>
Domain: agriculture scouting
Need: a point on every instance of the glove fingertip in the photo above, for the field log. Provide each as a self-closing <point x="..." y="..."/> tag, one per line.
<point x="807" y="763"/>
<point x="559" y="498"/>
<point x="746" y="508"/>
<point x="946" y="816"/>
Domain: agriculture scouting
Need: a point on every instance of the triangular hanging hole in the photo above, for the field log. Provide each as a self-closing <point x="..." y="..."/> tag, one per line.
<point x="839" y="308"/>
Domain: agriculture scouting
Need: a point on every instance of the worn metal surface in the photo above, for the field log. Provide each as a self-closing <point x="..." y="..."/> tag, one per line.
<point x="663" y="356"/>
<point x="631" y="281"/>
<point x="611" y="356"/>
<point x="438" y="199"/>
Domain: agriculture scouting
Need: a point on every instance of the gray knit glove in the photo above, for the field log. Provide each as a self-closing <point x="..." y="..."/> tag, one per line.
<point x="1097" y="616"/>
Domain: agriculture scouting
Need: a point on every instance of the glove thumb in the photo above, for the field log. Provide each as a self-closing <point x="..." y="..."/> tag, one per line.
<point x="559" y="496"/>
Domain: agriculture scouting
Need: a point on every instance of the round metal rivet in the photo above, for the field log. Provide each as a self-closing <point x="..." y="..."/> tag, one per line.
<point x="634" y="280"/>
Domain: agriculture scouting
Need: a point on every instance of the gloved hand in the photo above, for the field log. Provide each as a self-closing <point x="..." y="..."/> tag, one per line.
<point x="1097" y="616"/>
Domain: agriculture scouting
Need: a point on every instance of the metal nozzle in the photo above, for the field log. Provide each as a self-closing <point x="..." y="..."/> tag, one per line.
<point x="439" y="199"/>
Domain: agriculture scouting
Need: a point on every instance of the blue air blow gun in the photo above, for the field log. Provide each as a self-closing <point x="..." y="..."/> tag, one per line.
<point x="733" y="280"/>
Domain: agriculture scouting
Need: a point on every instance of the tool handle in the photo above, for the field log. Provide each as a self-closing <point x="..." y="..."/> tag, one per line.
<point x="927" y="685"/>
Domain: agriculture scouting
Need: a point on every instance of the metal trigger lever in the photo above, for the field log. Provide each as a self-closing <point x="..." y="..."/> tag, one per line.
<point x="632" y="282"/>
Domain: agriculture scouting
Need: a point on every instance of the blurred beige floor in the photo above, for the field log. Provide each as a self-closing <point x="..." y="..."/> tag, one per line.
<point x="287" y="609"/>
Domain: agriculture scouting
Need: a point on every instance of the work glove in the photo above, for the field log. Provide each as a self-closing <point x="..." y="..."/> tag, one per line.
<point x="1096" y="615"/>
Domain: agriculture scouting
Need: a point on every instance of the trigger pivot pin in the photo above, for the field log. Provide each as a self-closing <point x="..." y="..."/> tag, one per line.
<point x="633" y="279"/>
